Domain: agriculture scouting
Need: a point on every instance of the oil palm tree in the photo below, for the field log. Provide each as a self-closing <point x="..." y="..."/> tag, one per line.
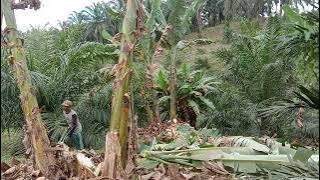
<point x="98" y="20"/>
<point x="304" y="105"/>
<point x="77" y="17"/>
<point x="301" y="43"/>
<point x="11" y="112"/>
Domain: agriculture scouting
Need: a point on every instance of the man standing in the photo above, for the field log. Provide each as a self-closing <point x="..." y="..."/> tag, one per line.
<point x="75" y="128"/>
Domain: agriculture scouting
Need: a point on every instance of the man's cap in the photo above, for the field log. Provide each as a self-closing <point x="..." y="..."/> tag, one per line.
<point x="67" y="103"/>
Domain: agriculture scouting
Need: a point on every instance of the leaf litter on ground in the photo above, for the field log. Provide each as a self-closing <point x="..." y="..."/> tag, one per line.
<point x="178" y="151"/>
<point x="205" y="154"/>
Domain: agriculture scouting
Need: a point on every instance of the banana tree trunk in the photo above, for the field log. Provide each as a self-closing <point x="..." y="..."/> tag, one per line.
<point x="156" y="110"/>
<point x="173" y="82"/>
<point x="146" y="106"/>
<point x="117" y="138"/>
<point x="151" y="113"/>
<point x="157" y="50"/>
<point x="39" y="138"/>
<point x="155" y="99"/>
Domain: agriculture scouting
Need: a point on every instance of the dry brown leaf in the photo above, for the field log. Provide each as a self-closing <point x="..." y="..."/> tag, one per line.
<point x="160" y="172"/>
<point x="10" y="171"/>
<point x="130" y="167"/>
<point x="35" y="173"/>
<point x="4" y="167"/>
<point x="188" y="176"/>
<point x="216" y="167"/>
<point x="173" y="172"/>
<point x="15" y="162"/>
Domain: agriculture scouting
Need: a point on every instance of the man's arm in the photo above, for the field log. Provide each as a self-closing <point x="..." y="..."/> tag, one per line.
<point x="74" y="124"/>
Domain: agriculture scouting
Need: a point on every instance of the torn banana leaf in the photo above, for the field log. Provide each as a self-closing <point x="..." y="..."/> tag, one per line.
<point x="248" y="142"/>
<point x="207" y="153"/>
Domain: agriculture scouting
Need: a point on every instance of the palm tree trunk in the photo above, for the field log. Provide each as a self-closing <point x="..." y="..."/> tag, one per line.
<point x="39" y="137"/>
<point x="173" y="111"/>
<point x="199" y="23"/>
<point x="117" y="139"/>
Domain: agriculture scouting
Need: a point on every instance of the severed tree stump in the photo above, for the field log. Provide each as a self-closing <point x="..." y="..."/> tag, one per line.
<point x="112" y="167"/>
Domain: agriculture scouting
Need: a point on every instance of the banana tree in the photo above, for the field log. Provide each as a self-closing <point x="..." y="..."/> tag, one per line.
<point x="150" y="47"/>
<point x="180" y="18"/>
<point x="152" y="44"/>
<point x="192" y="90"/>
<point x="36" y="131"/>
<point x="116" y="152"/>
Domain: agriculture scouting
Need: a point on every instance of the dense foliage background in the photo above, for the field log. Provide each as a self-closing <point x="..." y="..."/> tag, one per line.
<point x="259" y="75"/>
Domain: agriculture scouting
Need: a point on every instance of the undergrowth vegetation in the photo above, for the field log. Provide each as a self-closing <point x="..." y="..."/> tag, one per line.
<point x="268" y="84"/>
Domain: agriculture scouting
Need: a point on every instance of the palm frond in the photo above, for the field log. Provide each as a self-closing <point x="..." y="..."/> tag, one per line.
<point x="310" y="97"/>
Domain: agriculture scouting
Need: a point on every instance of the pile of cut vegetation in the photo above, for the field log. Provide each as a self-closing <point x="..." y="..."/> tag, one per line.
<point x="69" y="164"/>
<point x="177" y="151"/>
<point x="181" y="152"/>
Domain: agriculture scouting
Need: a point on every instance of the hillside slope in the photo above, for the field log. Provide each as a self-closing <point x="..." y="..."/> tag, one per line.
<point x="203" y="56"/>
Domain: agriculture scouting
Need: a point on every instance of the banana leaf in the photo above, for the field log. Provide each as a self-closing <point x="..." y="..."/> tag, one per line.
<point x="248" y="142"/>
<point x="239" y="162"/>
